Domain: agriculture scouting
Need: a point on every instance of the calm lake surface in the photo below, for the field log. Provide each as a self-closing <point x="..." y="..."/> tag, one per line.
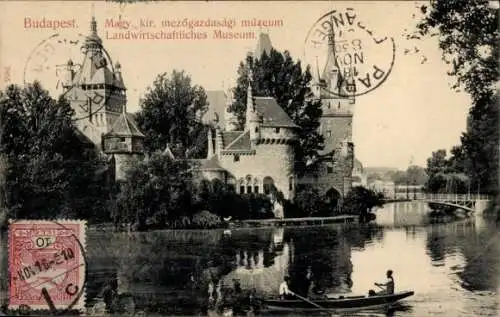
<point x="453" y="265"/>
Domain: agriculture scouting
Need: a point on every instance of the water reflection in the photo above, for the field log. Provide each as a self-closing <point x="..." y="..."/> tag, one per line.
<point x="453" y="265"/>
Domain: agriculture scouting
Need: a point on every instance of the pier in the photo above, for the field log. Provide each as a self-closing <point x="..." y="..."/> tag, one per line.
<point x="309" y="221"/>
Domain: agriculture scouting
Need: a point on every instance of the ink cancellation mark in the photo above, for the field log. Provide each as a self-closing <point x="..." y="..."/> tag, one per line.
<point x="47" y="265"/>
<point x="45" y="61"/>
<point x="363" y="58"/>
<point x="50" y="63"/>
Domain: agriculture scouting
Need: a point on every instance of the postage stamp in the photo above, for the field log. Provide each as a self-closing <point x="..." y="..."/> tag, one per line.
<point x="47" y="264"/>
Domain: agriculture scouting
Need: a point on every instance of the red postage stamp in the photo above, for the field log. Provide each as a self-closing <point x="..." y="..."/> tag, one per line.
<point x="47" y="264"/>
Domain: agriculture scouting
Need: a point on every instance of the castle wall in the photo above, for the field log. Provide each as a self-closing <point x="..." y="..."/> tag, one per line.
<point x="335" y="130"/>
<point x="123" y="162"/>
<point x="271" y="160"/>
<point x="336" y="174"/>
<point x="271" y="133"/>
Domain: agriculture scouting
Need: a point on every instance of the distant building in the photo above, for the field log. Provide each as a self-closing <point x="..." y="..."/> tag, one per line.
<point x="387" y="188"/>
<point x="263" y="45"/>
<point x="97" y="94"/>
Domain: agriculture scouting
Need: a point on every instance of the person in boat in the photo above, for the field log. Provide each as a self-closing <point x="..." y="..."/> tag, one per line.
<point x="284" y="290"/>
<point x="388" y="285"/>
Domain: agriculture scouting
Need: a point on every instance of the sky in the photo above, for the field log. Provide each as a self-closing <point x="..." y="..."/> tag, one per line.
<point x="411" y="114"/>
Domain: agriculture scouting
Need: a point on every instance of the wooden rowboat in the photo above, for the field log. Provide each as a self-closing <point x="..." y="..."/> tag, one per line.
<point x="336" y="304"/>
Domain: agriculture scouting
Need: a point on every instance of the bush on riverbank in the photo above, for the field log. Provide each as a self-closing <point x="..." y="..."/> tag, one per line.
<point x="360" y="201"/>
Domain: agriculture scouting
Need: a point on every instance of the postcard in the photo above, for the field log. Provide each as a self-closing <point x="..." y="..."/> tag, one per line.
<point x="165" y="158"/>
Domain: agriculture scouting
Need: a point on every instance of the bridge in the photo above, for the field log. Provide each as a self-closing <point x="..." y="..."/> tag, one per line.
<point x="467" y="202"/>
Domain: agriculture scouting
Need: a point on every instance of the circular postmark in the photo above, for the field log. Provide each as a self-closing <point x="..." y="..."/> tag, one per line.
<point x="56" y="63"/>
<point x="364" y="59"/>
<point x="47" y="265"/>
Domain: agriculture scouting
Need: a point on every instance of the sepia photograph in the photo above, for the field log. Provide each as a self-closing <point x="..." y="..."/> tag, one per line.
<point x="249" y="158"/>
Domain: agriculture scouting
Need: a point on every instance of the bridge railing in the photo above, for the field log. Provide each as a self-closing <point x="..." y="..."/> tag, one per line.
<point x="443" y="197"/>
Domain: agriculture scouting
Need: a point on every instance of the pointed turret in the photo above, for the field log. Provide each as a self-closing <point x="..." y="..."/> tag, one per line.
<point x="230" y="119"/>
<point x="332" y="76"/>
<point x="252" y="116"/>
<point x="210" y="138"/>
<point x="68" y="75"/>
<point x="118" y="76"/>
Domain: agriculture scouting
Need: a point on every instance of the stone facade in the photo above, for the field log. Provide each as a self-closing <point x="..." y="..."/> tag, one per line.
<point x="258" y="159"/>
<point x="97" y="94"/>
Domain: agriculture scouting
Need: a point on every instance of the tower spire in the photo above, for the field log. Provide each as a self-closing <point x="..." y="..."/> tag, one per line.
<point x="249" y="89"/>
<point x="93" y="23"/>
<point x="336" y="68"/>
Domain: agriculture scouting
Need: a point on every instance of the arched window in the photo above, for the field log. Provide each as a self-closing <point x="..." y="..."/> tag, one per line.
<point x="248" y="180"/>
<point x="256" y="185"/>
<point x="333" y="196"/>
<point x="268" y="184"/>
<point x="242" y="185"/>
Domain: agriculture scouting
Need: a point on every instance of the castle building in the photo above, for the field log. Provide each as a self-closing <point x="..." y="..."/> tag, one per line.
<point x="97" y="94"/>
<point x="263" y="155"/>
<point x="258" y="159"/>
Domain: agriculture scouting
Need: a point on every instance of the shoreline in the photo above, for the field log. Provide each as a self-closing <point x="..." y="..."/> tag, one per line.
<point x="249" y="223"/>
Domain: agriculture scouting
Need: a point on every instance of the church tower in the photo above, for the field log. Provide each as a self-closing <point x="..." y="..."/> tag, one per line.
<point x="97" y="93"/>
<point x="95" y="89"/>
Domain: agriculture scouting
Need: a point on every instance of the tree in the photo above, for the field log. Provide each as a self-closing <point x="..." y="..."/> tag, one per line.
<point x="170" y="114"/>
<point x="154" y="191"/>
<point x="416" y="175"/>
<point x="277" y="75"/>
<point x="52" y="172"/>
<point x="437" y="163"/>
<point x="360" y="201"/>
<point x="468" y="37"/>
<point x="309" y="201"/>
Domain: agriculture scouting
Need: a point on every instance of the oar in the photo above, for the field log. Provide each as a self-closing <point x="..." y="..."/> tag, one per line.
<point x="310" y="302"/>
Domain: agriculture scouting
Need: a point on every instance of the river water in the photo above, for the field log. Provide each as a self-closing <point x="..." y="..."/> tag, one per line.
<point x="452" y="265"/>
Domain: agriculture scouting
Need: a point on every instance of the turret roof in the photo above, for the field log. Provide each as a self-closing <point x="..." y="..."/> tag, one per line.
<point x="125" y="125"/>
<point x="241" y="143"/>
<point x="272" y="114"/>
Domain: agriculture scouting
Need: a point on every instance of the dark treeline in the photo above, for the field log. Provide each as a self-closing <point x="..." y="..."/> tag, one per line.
<point x="468" y="38"/>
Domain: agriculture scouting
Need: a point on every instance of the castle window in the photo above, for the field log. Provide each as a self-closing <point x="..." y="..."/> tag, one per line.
<point x="256" y="129"/>
<point x="328" y="133"/>
<point x="329" y="169"/>
<point x="249" y="189"/>
<point x="236" y="158"/>
<point x="122" y="139"/>
<point x="268" y="183"/>
<point x="290" y="183"/>
<point x="242" y="189"/>
<point x="277" y="130"/>
<point x="256" y="189"/>
<point x="329" y="105"/>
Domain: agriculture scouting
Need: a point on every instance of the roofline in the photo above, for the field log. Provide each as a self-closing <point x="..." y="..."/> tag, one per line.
<point x="237" y="138"/>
